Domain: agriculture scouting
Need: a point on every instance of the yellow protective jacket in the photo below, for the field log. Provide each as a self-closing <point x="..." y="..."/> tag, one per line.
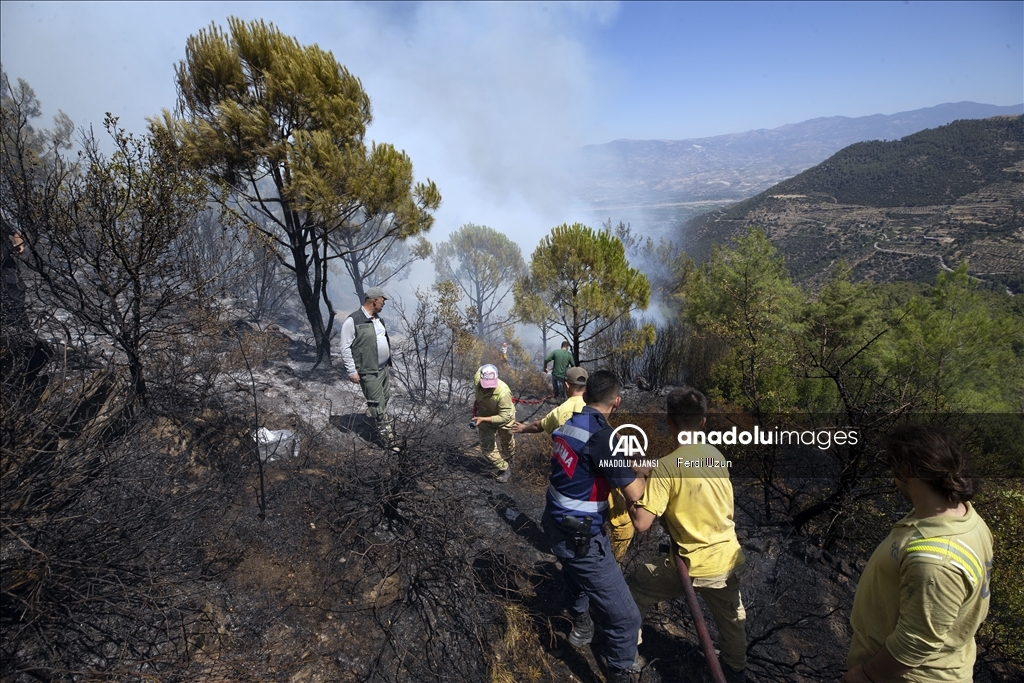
<point x="495" y="404"/>
<point x="923" y="594"/>
<point x="696" y="503"/>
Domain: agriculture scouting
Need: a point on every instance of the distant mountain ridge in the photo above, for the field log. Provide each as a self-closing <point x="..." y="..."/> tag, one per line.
<point x="643" y="174"/>
<point x="895" y="210"/>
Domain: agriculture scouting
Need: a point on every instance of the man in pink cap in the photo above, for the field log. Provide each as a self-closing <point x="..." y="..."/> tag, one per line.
<point x="494" y="414"/>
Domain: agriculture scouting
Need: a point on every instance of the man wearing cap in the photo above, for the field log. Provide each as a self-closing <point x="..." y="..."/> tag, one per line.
<point x="575" y="384"/>
<point x="494" y="414"/>
<point x="366" y="353"/>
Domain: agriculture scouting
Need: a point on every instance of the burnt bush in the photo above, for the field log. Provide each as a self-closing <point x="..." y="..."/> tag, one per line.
<point x="679" y="355"/>
<point x="421" y="574"/>
<point x="104" y="518"/>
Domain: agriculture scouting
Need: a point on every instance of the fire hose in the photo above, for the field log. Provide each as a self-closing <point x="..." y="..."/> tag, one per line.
<point x="530" y="401"/>
<point x="524" y="401"/>
<point x="698" y="621"/>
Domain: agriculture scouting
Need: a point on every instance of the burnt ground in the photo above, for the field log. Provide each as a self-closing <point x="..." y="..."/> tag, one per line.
<point x="371" y="565"/>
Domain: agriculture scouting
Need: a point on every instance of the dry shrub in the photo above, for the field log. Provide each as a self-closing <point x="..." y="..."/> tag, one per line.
<point x="527" y="382"/>
<point x="107" y="501"/>
<point x="519" y="657"/>
<point x="469" y="353"/>
<point x="255" y="347"/>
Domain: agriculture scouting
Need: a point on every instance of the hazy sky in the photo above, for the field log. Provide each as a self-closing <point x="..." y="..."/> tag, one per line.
<point x="479" y="95"/>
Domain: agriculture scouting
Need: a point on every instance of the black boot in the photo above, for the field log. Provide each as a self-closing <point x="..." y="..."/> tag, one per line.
<point x="582" y="630"/>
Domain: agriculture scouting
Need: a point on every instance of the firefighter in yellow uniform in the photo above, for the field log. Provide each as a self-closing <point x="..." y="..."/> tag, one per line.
<point x="696" y="506"/>
<point x="576" y="384"/>
<point x="925" y="591"/>
<point x="494" y="414"/>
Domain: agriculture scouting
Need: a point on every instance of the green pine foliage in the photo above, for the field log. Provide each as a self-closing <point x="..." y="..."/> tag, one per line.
<point x="485" y="265"/>
<point x="957" y="352"/>
<point x="854" y="348"/>
<point x="744" y="296"/>
<point x="871" y="356"/>
<point x="279" y="129"/>
<point x="580" y="284"/>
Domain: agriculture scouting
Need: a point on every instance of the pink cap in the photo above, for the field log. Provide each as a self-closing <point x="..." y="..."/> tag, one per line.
<point x="488" y="377"/>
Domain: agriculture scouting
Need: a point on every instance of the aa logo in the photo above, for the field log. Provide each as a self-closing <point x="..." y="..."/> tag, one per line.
<point x="628" y="441"/>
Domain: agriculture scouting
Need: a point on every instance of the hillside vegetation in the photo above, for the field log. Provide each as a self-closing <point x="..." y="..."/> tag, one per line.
<point x="659" y="183"/>
<point x="900" y="210"/>
<point x="935" y="166"/>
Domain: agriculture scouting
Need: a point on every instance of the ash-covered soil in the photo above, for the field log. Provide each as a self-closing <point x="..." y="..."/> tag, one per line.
<point x="352" y="562"/>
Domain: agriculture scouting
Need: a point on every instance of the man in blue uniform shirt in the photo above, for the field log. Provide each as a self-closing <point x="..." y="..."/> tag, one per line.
<point x="577" y="500"/>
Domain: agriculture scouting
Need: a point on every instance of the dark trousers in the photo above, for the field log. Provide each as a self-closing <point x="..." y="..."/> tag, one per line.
<point x="558" y="386"/>
<point x="595" y="581"/>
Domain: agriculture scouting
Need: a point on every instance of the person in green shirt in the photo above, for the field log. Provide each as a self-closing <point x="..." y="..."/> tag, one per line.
<point x="560" y="360"/>
<point x="925" y="590"/>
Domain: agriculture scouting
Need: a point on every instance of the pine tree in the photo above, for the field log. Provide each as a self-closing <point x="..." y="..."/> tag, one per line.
<point x="280" y="127"/>
<point x="582" y="279"/>
<point x="485" y="264"/>
<point x="744" y="296"/>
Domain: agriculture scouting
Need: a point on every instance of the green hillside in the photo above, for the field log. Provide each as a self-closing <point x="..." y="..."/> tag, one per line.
<point x="899" y="210"/>
<point x="935" y="166"/>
